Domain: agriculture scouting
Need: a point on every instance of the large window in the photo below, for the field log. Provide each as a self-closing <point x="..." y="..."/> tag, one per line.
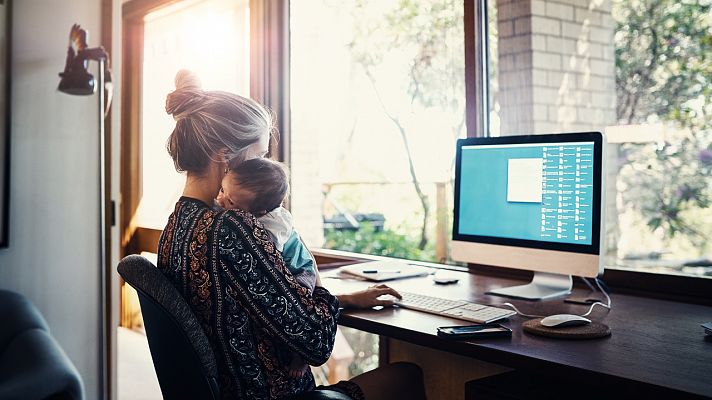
<point x="639" y="71"/>
<point x="209" y="37"/>
<point x="377" y="101"/>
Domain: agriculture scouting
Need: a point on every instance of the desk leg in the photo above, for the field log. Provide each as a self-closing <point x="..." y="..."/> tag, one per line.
<point x="445" y="373"/>
<point x="383" y="350"/>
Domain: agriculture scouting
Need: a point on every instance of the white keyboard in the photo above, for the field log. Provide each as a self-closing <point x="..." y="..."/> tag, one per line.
<point x="453" y="308"/>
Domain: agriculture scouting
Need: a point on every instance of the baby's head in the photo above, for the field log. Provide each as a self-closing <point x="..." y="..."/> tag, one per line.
<point x="258" y="186"/>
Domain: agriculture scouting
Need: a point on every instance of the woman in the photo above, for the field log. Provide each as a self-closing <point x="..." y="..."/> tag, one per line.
<point x="255" y="314"/>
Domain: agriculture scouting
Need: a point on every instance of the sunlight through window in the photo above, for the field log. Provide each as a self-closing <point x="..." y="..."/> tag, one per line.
<point x="209" y="37"/>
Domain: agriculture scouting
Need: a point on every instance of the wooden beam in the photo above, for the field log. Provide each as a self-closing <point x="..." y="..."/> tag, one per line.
<point x="146" y="239"/>
<point x="130" y="129"/>
<point x="269" y="68"/>
<point x="137" y="9"/>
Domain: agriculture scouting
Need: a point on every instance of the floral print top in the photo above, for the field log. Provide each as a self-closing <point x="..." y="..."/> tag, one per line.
<point x="254" y="313"/>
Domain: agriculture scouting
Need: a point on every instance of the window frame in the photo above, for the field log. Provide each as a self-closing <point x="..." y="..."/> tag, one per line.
<point x="271" y="86"/>
<point x="683" y="288"/>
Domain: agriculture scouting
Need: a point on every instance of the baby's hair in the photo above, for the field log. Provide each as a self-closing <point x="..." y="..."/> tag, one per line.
<point x="266" y="179"/>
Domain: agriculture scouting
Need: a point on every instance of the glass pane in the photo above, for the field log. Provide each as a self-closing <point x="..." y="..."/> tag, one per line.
<point x="209" y="37"/>
<point x="639" y="71"/>
<point x="377" y="100"/>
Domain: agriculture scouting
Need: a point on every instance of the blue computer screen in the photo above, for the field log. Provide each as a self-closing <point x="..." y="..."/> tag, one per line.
<point x="528" y="191"/>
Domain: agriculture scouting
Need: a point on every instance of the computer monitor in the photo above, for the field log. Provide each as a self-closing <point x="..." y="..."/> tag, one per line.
<point x="531" y="202"/>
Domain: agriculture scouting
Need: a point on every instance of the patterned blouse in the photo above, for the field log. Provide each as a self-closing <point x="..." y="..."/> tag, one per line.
<point x="255" y="314"/>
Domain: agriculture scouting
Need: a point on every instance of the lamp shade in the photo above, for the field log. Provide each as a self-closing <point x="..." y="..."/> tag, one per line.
<point x="77" y="82"/>
<point x="76" y="79"/>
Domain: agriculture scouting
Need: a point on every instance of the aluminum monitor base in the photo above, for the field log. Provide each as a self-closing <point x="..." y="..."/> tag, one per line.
<point x="543" y="286"/>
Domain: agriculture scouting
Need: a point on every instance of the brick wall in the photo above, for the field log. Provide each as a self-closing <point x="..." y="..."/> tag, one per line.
<point x="556" y="65"/>
<point x="556" y="73"/>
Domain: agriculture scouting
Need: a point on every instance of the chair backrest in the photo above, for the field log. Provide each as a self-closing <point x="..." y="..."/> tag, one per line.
<point x="182" y="356"/>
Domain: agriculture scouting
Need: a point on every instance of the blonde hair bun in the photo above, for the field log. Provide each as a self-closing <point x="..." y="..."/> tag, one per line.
<point x="186" y="79"/>
<point x="185" y="98"/>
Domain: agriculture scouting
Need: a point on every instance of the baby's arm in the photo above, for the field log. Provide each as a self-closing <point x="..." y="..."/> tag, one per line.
<point x="300" y="261"/>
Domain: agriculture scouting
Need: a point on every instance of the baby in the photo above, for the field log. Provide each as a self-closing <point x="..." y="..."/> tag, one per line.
<point x="259" y="186"/>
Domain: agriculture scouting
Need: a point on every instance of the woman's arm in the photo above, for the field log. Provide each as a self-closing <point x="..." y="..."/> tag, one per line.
<point x="363" y="298"/>
<point x="255" y="273"/>
<point x="368" y="298"/>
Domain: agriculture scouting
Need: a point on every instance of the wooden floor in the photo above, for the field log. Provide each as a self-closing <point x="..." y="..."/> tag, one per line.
<point x="136" y="376"/>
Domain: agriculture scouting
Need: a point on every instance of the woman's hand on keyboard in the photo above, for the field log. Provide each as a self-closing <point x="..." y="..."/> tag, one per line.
<point x="369" y="297"/>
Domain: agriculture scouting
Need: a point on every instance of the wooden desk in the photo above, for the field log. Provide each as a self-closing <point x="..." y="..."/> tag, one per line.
<point x="655" y="344"/>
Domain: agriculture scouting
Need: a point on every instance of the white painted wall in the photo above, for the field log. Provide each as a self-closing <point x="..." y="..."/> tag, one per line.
<point x="52" y="258"/>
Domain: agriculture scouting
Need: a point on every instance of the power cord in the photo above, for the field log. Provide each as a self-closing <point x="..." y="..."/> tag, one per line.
<point x="606" y="305"/>
<point x="598" y="303"/>
<point x="593" y="289"/>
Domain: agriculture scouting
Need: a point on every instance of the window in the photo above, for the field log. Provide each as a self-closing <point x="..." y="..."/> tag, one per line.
<point x="188" y="35"/>
<point x="377" y="101"/>
<point x="639" y="71"/>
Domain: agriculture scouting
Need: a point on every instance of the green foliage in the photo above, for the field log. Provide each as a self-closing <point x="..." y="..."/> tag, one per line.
<point x="384" y="243"/>
<point x="422" y="40"/>
<point x="664" y="73"/>
<point x="665" y="183"/>
<point x="429" y="33"/>
<point x="663" y="57"/>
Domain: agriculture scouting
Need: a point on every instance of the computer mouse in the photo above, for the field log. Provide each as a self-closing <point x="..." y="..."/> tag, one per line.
<point x="444" y="280"/>
<point x="562" y="320"/>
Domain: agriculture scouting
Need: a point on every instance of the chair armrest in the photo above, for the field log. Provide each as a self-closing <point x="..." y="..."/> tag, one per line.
<point x="34" y="366"/>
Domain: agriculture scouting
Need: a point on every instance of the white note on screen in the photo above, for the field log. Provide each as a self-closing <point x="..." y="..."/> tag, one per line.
<point x="524" y="179"/>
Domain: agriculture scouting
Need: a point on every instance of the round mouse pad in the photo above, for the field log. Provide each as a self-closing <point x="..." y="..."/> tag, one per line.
<point x="593" y="330"/>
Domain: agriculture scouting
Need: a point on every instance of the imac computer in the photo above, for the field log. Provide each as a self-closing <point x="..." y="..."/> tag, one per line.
<point x="531" y="202"/>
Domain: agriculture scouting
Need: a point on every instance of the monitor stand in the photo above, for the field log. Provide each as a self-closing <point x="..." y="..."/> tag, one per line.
<point x="544" y="285"/>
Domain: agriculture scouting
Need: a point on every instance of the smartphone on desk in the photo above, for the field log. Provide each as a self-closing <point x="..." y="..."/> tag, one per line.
<point x="474" y="331"/>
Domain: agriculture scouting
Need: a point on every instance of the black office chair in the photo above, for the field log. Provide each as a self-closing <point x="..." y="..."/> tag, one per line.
<point x="182" y="356"/>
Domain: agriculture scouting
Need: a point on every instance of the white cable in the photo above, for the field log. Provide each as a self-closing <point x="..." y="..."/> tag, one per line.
<point x="593" y="289"/>
<point x="597" y="303"/>
<point x="521" y="313"/>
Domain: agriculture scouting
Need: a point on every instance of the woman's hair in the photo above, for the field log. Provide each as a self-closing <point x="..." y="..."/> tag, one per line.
<point x="267" y="180"/>
<point x="209" y="123"/>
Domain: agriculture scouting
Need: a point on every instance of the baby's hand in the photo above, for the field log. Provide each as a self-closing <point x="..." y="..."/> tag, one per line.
<point x="297" y="368"/>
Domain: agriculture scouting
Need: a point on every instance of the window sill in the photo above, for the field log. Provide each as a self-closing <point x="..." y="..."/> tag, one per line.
<point x="683" y="288"/>
<point x="327" y="258"/>
<point x="687" y="289"/>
